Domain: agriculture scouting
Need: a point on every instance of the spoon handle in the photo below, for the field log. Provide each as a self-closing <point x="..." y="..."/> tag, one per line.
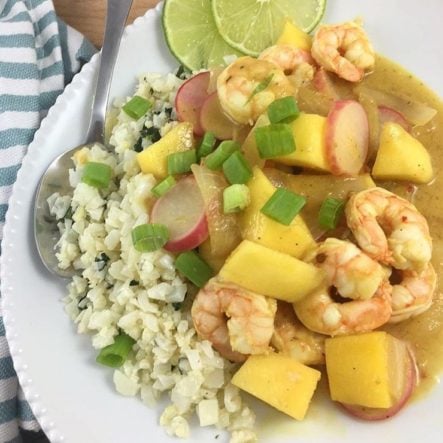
<point x="116" y="15"/>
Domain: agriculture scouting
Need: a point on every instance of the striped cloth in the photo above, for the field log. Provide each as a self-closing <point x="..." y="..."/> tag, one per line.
<point x="39" y="55"/>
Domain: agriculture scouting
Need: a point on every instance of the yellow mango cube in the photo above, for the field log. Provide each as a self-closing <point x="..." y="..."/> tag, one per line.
<point x="294" y="239"/>
<point x="309" y="132"/>
<point x="280" y="381"/>
<point x="269" y="272"/>
<point x="363" y="369"/>
<point x="400" y="156"/>
<point x="292" y="35"/>
<point x="154" y="159"/>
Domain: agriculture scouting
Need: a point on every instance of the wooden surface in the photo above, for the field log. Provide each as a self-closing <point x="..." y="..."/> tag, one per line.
<point x="88" y="16"/>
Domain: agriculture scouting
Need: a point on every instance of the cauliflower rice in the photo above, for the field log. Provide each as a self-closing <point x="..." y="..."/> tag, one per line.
<point x="120" y="289"/>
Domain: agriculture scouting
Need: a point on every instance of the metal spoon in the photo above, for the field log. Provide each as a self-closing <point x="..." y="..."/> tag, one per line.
<point x="56" y="179"/>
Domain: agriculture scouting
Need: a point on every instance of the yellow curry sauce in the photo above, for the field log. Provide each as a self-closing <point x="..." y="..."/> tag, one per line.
<point x="425" y="332"/>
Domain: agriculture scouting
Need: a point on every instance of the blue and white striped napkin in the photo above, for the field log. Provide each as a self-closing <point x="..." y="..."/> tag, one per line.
<point x="39" y="55"/>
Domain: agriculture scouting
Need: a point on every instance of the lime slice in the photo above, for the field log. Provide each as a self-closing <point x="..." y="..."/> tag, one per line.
<point x="252" y="25"/>
<point x="192" y="35"/>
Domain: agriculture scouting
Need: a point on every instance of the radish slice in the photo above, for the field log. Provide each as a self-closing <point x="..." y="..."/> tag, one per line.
<point x="387" y="114"/>
<point x="414" y="112"/>
<point x="182" y="211"/>
<point x="409" y="378"/>
<point x="213" y="119"/>
<point x="189" y="100"/>
<point x="347" y="133"/>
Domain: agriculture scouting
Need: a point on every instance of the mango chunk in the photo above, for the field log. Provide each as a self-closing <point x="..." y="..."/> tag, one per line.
<point x="294" y="239"/>
<point x="400" y="156"/>
<point x="292" y="35"/>
<point x="280" y="381"/>
<point x="310" y="141"/>
<point x="270" y="272"/>
<point x="363" y="369"/>
<point x="153" y="160"/>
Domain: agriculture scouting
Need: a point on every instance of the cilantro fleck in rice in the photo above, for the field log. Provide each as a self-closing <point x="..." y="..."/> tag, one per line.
<point x="141" y="294"/>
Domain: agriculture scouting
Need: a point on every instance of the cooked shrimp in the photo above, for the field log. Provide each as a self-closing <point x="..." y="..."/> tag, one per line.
<point x="287" y="57"/>
<point x="413" y="295"/>
<point x="291" y="337"/>
<point x="320" y="313"/>
<point x="248" y="86"/>
<point x="344" y="49"/>
<point x="389" y="229"/>
<point x="237" y="322"/>
<point x="353" y="273"/>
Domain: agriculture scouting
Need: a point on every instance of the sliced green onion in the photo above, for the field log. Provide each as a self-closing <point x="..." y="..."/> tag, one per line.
<point x="283" y="206"/>
<point x="331" y="211"/>
<point x="115" y="355"/>
<point x="137" y="107"/>
<point x="181" y="162"/>
<point x="97" y="174"/>
<point x="207" y="145"/>
<point x="261" y="87"/>
<point x="274" y="140"/>
<point x="235" y="198"/>
<point x="220" y="155"/>
<point x="149" y="237"/>
<point x="194" y="268"/>
<point x="237" y="169"/>
<point x="283" y="110"/>
<point x="164" y="186"/>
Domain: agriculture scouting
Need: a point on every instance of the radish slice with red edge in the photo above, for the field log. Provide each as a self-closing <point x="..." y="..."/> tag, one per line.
<point x="410" y="380"/>
<point x="212" y="119"/>
<point x="182" y="211"/>
<point x="190" y="98"/>
<point x="387" y="114"/>
<point x="347" y="134"/>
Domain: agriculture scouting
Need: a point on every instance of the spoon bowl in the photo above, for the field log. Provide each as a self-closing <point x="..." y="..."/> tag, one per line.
<point x="56" y="177"/>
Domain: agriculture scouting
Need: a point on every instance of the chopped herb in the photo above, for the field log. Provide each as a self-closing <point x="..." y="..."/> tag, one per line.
<point x="101" y="261"/>
<point x="168" y="112"/>
<point x="133" y="283"/>
<point x="82" y="304"/>
<point x="68" y="213"/>
<point x="153" y="134"/>
<point x="177" y="306"/>
<point x="182" y="72"/>
<point x="138" y="147"/>
<point x="261" y="86"/>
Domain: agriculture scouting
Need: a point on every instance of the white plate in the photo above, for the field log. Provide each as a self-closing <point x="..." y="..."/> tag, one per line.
<point x="72" y="397"/>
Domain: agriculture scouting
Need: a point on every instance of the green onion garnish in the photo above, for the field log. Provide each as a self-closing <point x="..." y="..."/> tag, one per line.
<point x="274" y="140"/>
<point x="283" y="110"/>
<point x="237" y="169"/>
<point x="97" y="174"/>
<point x="137" y="107"/>
<point x="283" y="206"/>
<point x="261" y="87"/>
<point x="181" y="162"/>
<point x="207" y="145"/>
<point x="235" y="198"/>
<point x="115" y="355"/>
<point x="164" y="186"/>
<point x="194" y="268"/>
<point x="220" y="155"/>
<point x="149" y="237"/>
<point x="330" y="212"/>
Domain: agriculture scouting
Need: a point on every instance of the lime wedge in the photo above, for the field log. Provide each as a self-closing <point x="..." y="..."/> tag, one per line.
<point x="192" y="35"/>
<point x="252" y="25"/>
